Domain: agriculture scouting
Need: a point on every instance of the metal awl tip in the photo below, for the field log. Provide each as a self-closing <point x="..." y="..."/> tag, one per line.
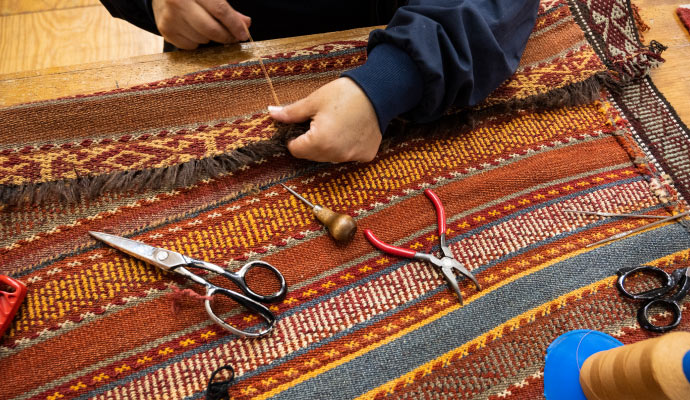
<point x="307" y="202"/>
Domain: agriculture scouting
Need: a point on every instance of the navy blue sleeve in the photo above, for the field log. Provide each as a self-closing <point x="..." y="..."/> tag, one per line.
<point x="435" y="53"/>
<point x="137" y="12"/>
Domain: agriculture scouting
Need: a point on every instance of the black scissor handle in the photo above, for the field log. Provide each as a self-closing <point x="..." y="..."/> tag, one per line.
<point x="242" y="281"/>
<point x="667" y="304"/>
<point x="668" y="282"/>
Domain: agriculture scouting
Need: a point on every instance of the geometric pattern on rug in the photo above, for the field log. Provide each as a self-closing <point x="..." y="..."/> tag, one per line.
<point x="356" y="322"/>
<point x="350" y="308"/>
<point x="656" y="126"/>
<point x="216" y="112"/>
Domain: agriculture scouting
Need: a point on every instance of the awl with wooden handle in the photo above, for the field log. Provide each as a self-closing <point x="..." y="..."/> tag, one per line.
<point x="341" y="226"/>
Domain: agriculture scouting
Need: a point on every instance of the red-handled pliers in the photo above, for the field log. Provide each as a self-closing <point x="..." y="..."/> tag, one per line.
<point x="447" y="263"/>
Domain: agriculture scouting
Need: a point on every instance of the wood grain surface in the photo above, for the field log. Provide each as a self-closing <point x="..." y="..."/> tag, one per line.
<point x="36" y="40"/>
<point x="673" y="77"/>
<point x="55" y="82"/>
<point x="11" y="7"/>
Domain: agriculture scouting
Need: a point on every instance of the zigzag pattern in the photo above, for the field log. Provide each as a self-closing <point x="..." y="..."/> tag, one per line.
<point x="573" y="67"/>
<point x="142" y="152"/>
<point x="128" y="149"/>
<point x="231" y="231"/>
<point x="100" y="325"/>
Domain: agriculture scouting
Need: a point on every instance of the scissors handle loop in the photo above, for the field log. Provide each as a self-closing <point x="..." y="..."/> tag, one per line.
<point x="242" y="275"/>
<point x="670" y="305"/>
<point x="668" y="282"/>
<point x="654" y="298"/>
<point x="249" y="299"/>
<point x="248" y="303"/>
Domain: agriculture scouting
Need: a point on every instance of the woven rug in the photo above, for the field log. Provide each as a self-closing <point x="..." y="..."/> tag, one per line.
<point x="356" y="323"/>
<point x="174" y="132"/>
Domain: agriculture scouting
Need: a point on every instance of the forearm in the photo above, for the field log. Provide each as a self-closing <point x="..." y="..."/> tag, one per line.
<point x="462" y="51"/>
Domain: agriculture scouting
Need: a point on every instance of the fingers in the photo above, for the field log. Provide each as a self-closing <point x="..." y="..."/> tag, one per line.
<point x="188" y="23"/>
<point x="207" y="27"/>
<point x="315" y="145"/>
<point x="181" y="42"/>
<point x="234" y="22"/>
<point x="306" y="146"/>
<point x="186" y="37"/>
<point x="343" y="124"/>
<point x="299" y="111"/>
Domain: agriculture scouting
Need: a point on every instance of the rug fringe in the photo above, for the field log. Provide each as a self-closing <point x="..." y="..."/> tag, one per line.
<point x="639" y="65"/>
<point x="461" y="121"/>
<point x="181" y="175"/>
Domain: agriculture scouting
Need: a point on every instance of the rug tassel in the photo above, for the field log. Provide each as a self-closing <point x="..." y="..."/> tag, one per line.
<point x="177" y="295"/>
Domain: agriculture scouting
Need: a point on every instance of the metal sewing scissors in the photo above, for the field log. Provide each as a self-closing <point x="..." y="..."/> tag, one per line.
<point x="678" y="279"/>
<point x="176" y="262"/>
<point x="447" y="263"/>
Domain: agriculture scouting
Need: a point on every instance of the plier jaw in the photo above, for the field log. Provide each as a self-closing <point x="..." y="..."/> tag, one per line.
<point x="450" y="278"/>
<point x="448" y="264"/>
<point x="448" y="267"/>
<point x="448" y="272"/>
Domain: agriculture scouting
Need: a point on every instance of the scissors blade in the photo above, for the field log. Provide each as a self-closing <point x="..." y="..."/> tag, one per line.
<point x="161" y="258"/>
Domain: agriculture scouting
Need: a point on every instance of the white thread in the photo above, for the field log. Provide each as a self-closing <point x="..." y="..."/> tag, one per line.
<point x="577" y="351"/>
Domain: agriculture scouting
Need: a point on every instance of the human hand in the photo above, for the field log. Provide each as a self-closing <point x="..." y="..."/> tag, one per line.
<point x="189" y="23"/>
<point x="343" y="125"/>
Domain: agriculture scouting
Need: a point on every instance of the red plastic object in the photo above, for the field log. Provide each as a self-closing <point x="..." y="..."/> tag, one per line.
<point x="440" y="211"/>
<point x="396" y="251"/>
<point x="10" y="301"/>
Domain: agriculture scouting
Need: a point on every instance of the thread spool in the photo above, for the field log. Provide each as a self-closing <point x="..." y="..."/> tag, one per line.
<point x="590" y="365"/>
<point x="657" y="368"/>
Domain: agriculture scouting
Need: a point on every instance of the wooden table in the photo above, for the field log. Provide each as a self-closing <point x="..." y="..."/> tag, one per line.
<point x="672" y="78"/>
<point x="56" y="82"/>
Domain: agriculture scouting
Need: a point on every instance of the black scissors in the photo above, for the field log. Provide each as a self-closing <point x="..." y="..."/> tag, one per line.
<point x="176" y="262"/>
<point x="678" y="279"/>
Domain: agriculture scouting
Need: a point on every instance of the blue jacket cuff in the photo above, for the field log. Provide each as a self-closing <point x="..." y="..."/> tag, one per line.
<point x="391" y="81"/>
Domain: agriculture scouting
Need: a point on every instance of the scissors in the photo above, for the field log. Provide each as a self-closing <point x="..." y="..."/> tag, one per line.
<point x="447" y="263"/>
<point x="678" y="279"/>
<point x="172" y="261"/>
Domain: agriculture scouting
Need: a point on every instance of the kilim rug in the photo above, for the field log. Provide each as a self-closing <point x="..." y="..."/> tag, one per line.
<point x="356" y="323"/>
<point x="173" y="132"/>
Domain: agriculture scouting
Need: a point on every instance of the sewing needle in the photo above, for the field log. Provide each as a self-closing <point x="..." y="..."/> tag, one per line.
<point x="263" y="68"/>
<point x="630" y="232"/>
<point x="609" y="214"/>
